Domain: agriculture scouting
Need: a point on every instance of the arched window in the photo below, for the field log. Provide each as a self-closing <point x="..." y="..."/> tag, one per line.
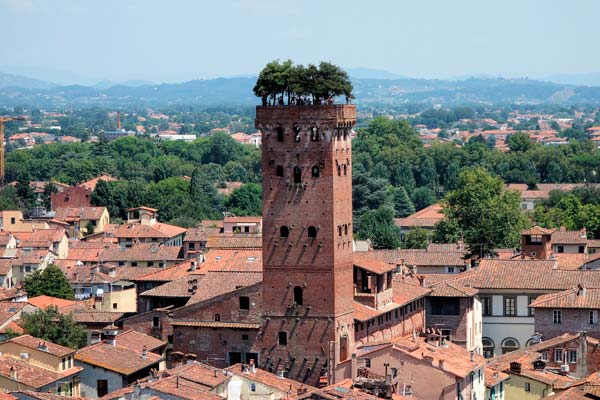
<point x="312" y="232"/>
<point x="298" y="296"/>
<point x="284" y="231"/>
<point x="315" y="172"/>
<point x="339" y="230"/>
<point x="217" y="317"/>
<point x="509" y="344"/>
<point x="297" y="133"/>
<point x="279" y="170"/>
<point x="345" y="169"/>
<point x="345" y="134"/>
<point x="339" y="170"/>
<point x="279" y="134"/>
<point x="345" y="229"/>
<point x="314" y="134"/>
<point x="488" y="347"/>
<point x="297" y="175"/>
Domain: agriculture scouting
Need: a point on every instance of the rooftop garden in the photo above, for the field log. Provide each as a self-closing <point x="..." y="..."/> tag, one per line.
<point x="288" y="84"/>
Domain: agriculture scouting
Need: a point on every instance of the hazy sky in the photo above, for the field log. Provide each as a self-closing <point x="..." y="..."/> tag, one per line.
<point x="172" y="40"/>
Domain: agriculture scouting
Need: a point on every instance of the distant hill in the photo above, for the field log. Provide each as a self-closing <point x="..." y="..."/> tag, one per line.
<point x="368" y="73"/>
<point x="591" y="79"/>
<point x="11" y="80"/>
<point x="238" y="91"/>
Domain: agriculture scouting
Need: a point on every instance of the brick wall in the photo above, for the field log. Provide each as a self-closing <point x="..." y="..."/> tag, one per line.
<point x="75" y="196"/>
<point x="573" y="320"/>
<point x="457" y="323"/>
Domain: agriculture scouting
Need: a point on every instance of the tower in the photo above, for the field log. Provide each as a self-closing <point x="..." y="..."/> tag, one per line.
<point x="307" y="240"/>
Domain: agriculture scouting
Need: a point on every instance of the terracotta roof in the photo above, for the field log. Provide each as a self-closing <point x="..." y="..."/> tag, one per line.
<point x="405" y="293"/>
<point x="235" y="241"/>
<point x="34" y="343"/>
<point x="43" y="396"/>
<point x="229" y="260"/>
<point x="578" y="297"/>
<point x="426" y="217"/>
<point x="419" y="257"/>
<point x="593" y="243"/>
<point x="537" y="230"/>
<point x="215" y="324"/>
<point x="215" y="284"/>
<point x="75" y="214"/>
<point x="459" y="247"/>
<point x="166" y="274"/>
<point x="89" y="254"/>
<point x="569" y="237"/>
<point x="44" y="301"/>
<point x="196" y="235"/>
<point x="156" y="230"/>
<point x="524" y="274"/>
<point x="199" y="373"/>
<point x="140" y="252"/>
<point x="493" y="377"/>
<point x="365" y="313"/>
<point x="570" y="260"/>
<point x="99" y="317"/>
<point x="450" y="357"/>
<point x="41" y="235"/>
<point x="447" y="289"/>
<point x="10" y="294"/>
<point x="135" y="340"/>
<point x="5" y="238"/>
<point x="91" y="184"/>
<point x="14" y="327"/>
<point x="118" y="358"/>
<point x="372" y="264"/>
<point x="31" y="375"/>
<point x="179" y="288"/>
<point x="574" y="393"/>
<point x="143" y="208"/>
<point x="8" y="309"/>
<point x="269" y="379"/>
<point x="6" y="265"/>
<point x="181" y="388"/>
<point x="247" y="219"/>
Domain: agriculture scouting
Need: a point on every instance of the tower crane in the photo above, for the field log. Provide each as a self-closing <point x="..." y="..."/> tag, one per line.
<point x="2" y="121"/>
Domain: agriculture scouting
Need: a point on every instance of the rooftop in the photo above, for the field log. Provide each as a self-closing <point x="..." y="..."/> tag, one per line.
<point x="41" y="344"/>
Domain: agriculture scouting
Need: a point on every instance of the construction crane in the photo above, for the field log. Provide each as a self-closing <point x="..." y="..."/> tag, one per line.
<point x="2" y="121"/>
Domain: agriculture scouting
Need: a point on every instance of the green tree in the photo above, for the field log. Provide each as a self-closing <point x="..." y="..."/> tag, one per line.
<point x="423" y="197"/>
<point x="416" y="238"/>
<point x="247" y="200"/>
<point x="519" y="142"/>
<point x="403" y="206"/>
<point x="378" y="225"/>
<point x="48" y="324"/>
<point x="488" y="215"/>
<point x="50" y="282"/>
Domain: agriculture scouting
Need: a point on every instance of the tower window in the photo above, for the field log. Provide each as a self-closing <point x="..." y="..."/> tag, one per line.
<point x="345" y="170"/>
<point x="345" y="229"/>
<point x="297" y="136"/>
<point x="279" y="134"/>
<point x="312" y="232"/>
<point x="297" y="175"/>
<point x="339" y="170"/>
<point x="283" y="338"/>
<point x="244" y="303"/>
<point x="217" y="317"/>
<point x="339" y="230"/>
<point x="284" y="231"/>
<point x="315" y="172"/>
<point x="279" y="170"/>
<point x="298" y="295"/>
<point x="314" y="134"/>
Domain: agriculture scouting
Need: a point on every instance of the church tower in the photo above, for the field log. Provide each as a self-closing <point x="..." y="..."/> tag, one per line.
<point x="307" y="331"/>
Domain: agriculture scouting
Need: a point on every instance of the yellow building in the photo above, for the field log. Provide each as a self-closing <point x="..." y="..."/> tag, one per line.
<point x="29" y="363"/>
<point x="84" y="220"/>
<point x="13" y="221"/>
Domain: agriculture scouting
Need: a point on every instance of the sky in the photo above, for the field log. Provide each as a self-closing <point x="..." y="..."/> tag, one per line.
<point x="177" y="40"/>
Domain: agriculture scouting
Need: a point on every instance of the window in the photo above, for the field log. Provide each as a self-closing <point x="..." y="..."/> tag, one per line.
<point x="148" y="285"/>
<point x="314" y="134"/>
<point x="64" y="364"/>
<point x="572" y="356"/>
<point x="339" y="168"/>
<point x="151" y="263"/>
<point x="444" y="306"/>
<point x="486" y="305"/>
<point x="284" y="231"/>
<point x="244" y="303"/>
<point x="450" y="270"/>
<point x="345" y="229"/>
<point x="345" y="169"/>
<point x="509" y="344"/>
<point x="315" y="172"/>
<point x="279" y="134"/>
<point x="312" y="232"/>
<point x="544" y="356"/>
<point x="367" y="362"/>
<point x="13" y="220"/>
<point x="535" y="239"/>
<point x="134" y="264"/>
<point x="531" y="309"/>
<point x="101" y="387"/>
<point x="297" y="175"/>
<point x="282" y="338"/>
<point x="510" y="306"/>
<point x="593" y="317"/>
<point x="558" y="355"/>
<point x="279" y="170"/>
<point x="527" y="387"/>
<point x="297" y="135"/>
<point x="217" y="317"/>
<point x="155" y="322"/>
<point x="581" y="249"/>
<point x="244" y="337"/>
<point x="561" y="249"/>
<point x="339" y="230"/>
<point x="298" y="292"/>
<point x="115" y="306"/>
<point x="557" y="316"/>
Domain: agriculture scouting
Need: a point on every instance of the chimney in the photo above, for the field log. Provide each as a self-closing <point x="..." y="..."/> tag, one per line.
<point x="583" y="233"/>
<point x="252" y="366"/>
<point x="110" y="335"/>
<point x="144" y="353"/>
<point x="200" y="258"/>
<point x="194" y="265"/>
<point x="441" y="363"/>
<point x="95" y="337"/>
<point x="13" y="373"/>
<point x="421" y="279"/>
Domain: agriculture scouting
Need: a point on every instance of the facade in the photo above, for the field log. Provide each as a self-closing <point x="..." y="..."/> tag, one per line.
<point x="307" y="240"/>
<point x="81" y="219"/>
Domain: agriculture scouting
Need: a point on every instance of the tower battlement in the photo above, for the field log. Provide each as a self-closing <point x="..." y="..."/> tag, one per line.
<point x="332" y="116"/>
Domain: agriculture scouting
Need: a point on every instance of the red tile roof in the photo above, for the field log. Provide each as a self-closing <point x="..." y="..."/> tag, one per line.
<point x="157" y="230"/>
<point x="365" y="261"/>
<point x="426" y="217"/>
<point x="234" y="241"/>
<point x="167" y="274"/>
<point x="35" y="343"/>
<point x="75" y="214"/>
<point x="215" y="284"/>
<point x="31" y="375"/>
<point x="40" y="235"/>
<point x="44" y="301"/>
<point x="229" y="260"/>
<point x="135" y="340"/>
<point x="91" y="184"/>
<point x="215" y="324"/>
<point x="578" y="297"/>
<point x="269" y="379"/>
<point x="140" y="252"/>
<point x="537" y="230"/>
<point x="569" y="237"/>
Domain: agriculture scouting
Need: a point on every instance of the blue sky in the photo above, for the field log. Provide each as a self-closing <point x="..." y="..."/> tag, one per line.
<point x="178" y="40"/>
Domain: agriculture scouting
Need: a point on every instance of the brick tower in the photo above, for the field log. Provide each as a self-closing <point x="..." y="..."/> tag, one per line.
<point x="307" y="240"/>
